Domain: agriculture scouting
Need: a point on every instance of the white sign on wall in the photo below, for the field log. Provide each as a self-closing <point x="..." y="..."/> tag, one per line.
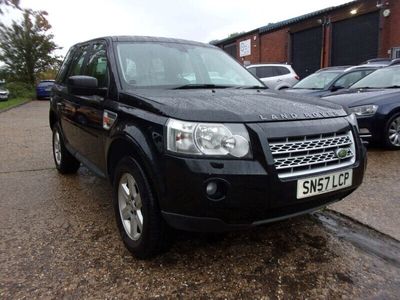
<point x="245" y="47"/>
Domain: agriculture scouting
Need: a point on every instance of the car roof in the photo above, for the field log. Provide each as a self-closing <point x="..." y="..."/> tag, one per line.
<point x="393" y="66"/>
<point x="366" y="66"/>
<point x="134" y="38"/>
<point x="379" y="61"/>
<point x="395" y="62"/>
<point x="267" y="65"/>
<point x="333" y="69"/>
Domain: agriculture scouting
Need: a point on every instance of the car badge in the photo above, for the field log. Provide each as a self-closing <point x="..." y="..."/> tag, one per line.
<point x="342" y="153"/>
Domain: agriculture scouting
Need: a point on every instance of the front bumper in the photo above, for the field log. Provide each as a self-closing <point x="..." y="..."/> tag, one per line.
<point x="253" y="192"/>
<point x="252" y="195"/>
<point x="371" y="128"/>
<point x="42" y="93"/>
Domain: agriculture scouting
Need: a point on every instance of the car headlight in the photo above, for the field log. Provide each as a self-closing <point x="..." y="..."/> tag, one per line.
<point x="364" y="110"/>
<point x="208" y="139"/>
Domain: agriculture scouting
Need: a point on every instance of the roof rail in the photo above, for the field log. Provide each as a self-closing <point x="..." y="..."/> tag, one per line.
<point x="395" y="62"/>
<point x="377" y="60"/>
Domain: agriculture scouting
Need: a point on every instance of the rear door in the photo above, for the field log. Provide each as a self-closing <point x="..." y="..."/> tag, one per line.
<point x="67" y="105"/>
<point x="89" y="110"/>
<point x="268" y="75"/>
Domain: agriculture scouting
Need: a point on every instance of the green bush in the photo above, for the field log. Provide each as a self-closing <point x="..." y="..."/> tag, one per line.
<point x="20" y="90"/>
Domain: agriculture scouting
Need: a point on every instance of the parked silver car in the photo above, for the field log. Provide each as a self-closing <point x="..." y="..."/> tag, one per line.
<point x="275" y="76"/>
<point x="4" y="93"/>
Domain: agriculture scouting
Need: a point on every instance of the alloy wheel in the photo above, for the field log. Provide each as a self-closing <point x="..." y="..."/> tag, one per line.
<point x="57" y="147"/>
<point x="394" y="132"/>
<point x="130" y="206"/>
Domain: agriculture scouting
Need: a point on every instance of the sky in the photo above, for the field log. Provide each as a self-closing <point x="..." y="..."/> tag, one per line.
<point x="75" y="21"/>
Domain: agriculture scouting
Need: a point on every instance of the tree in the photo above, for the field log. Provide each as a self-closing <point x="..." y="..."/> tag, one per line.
<point x="26" y="47"/>
<point x="235" y="34"/>
<point x="11" y="3"/>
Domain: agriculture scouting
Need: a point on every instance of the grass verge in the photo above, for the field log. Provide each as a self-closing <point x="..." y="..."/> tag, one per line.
<point x="12" y="102"/>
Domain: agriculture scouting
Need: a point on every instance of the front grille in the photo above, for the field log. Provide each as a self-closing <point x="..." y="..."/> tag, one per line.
<point x="295" y="156"/>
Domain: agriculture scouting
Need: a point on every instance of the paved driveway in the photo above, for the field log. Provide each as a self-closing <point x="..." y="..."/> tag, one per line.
<point x="58" y="237"/>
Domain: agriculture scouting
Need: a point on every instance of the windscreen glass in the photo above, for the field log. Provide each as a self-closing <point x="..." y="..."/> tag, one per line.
<point x="382" y="78"/>
<point x="169" y="65"/>
<point x="317" y="81"/>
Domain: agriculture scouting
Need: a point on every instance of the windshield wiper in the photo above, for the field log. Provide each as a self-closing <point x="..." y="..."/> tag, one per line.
<point x="249" y="87"/>
<point x="365" y="88"/>
<point x="200" y="86"/>
<point x="392" y="87"/>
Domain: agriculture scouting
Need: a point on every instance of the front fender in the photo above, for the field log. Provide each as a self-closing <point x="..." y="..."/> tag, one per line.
<point x="144" y="142"/>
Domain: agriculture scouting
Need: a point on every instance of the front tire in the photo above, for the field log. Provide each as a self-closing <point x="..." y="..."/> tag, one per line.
<point x="65" y="162"/>
<point x="138" y="217"/>
<point x="392" y="132"/>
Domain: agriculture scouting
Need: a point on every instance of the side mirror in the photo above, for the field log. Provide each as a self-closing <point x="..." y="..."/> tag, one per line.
<point x="336" y="88"/>
<point x="82" y="85"/>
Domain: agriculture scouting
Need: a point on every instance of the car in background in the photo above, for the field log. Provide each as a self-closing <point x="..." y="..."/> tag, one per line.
<point x="4" y="94"/>
<point x="375" y="100"/>
<point x="43" y="89"/>
<point x="329" y="80"/>
<point x="377" y="62"/>
<point x="275" y="76"/>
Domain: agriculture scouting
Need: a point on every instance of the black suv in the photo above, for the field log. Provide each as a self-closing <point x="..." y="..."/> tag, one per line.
<point x="190" y="139"/>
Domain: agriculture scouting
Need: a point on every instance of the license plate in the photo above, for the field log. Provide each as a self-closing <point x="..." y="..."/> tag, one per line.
<point x="323" y="184"/>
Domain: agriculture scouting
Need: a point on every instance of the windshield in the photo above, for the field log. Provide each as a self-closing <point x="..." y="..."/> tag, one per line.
<point x="46" y="83"/>
<point x="171" y="65"/>
<point x="317" y="81"/>
<point x="382" y="78"/>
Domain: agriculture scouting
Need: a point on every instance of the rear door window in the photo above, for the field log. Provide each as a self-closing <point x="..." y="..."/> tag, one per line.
<point x="97" y="65"/>
<point x="64" y="67"/>
<point x="266" y="71"/>
<point x="282" y="71"/>
<point x="78" y="60"/>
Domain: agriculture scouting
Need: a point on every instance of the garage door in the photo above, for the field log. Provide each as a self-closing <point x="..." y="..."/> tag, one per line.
<point x="355" y="40"/>
<point x="306" y="51"/>
<point x="231" y="49"/>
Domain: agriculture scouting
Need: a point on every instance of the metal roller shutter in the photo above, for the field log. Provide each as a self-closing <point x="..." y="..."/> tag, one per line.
<point x="355" y="40"/>
<point x="231" y="50"/>
<point x="306" y="51"/>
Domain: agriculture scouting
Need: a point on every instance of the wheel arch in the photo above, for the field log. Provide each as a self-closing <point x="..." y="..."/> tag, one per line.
<point x="394" y="111"/>
<point x="125" y="145"/>
<point x="52" y="118"/>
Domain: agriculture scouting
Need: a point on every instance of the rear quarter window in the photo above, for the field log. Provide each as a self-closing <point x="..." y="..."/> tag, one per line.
<point x="64" y="67"/>
<point x="282" y="71"/>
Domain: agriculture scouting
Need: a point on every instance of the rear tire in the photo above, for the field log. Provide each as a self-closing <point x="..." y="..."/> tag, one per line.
<point x="65" y="162"/>
<point x="391" y="134"/>
<point x="138" y="216"/>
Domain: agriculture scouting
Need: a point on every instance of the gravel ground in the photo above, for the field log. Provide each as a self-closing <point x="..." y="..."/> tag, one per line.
<point x="377" y="202"/>
<point x="58" y="238"/>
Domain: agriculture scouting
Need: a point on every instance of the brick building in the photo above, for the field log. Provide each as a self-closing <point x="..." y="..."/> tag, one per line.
<point x="347" y="34"/>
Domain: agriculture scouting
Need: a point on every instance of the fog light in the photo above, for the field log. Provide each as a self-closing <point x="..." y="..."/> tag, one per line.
<point x="211" y="188"/>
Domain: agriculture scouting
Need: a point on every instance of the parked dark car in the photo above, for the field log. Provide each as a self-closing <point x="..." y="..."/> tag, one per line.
<point x="190" y="139"/>
<point x="329" y="80"/>
<point x="43" y="89"/>
<point x="375" y="100"/>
